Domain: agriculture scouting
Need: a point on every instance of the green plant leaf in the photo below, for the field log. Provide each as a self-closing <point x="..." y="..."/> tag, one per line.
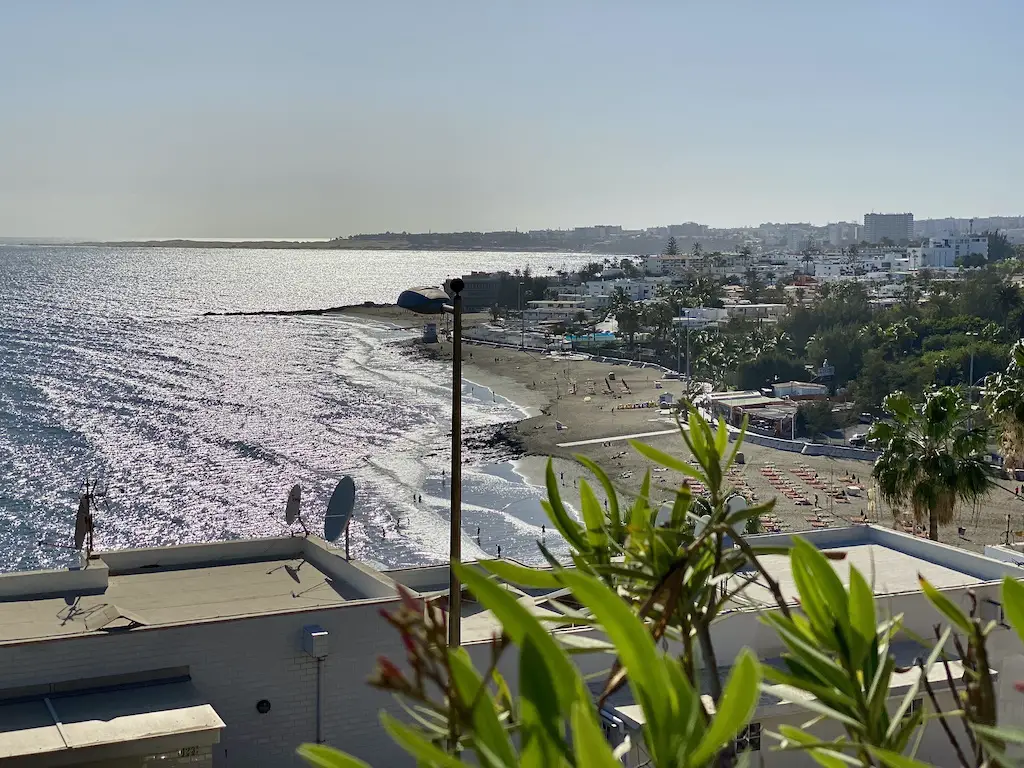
<point x="862" y="615"/>
<point x="737" y="443"/>
<point x="944" y="605"/>
<point x="593" y="517"/>
<point x="636" y="652"/>
<point x="322" y="756"/>
<point x="1001" y="733"/>
<point x="1013" y="603"/>
<point x="823" y="754"/>
<point x="721" y="437"/>
<point x="417" y="746"/>
<point x="518" y="623"/>
<point x="521" y="575"/>
<point x="736" y="705"/>
<point x="553" y="505"/>
<point x="824" y="580"/>
<point x="592" y="749"/>
<point x="896" y="760"/>
<point x="911" y="694"/>
<point x="667" y="460"/>
<point x="542" y="727"/>
<point x="487" y="729"/>
<point x="614" y="516"/>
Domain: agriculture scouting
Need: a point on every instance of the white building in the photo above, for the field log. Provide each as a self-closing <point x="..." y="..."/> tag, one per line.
<point x="549" y="312"/>
<point x="701" y="317"/>
<point x="943" y="252"/>
<point x="897" y="227"/>
<point x="635" y="288"/>
<point x="799" y="390"/>
<point x="771" y="313"/>
<point x="892" y="562"/>
<point x="234" y="653"/>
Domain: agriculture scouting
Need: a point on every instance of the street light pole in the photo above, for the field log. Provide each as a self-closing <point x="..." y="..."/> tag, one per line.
<point x="455" y="546"/>
<point x="970" y="385"/>
<point x="687" y="314"/>
<point x="522" y="318"/>
<point x="433" y="301"/>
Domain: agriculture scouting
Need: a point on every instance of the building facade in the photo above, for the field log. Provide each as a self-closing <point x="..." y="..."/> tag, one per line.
<point x="897" y="227"/>
<point x="943" y="252"/>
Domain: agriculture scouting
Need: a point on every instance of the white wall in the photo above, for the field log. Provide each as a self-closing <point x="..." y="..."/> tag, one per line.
<point x="236" y="663"/>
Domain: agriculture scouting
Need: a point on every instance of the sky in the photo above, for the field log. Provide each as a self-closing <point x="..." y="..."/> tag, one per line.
<point x="317" y="118"/>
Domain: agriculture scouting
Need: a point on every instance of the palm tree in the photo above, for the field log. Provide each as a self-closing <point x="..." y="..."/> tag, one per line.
<point x="1004" y="399"/>
<point x="628" y="319"/>
<point x="931" y="456"/>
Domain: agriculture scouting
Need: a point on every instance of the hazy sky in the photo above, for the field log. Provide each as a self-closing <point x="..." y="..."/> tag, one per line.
<point x="313" y="118"/>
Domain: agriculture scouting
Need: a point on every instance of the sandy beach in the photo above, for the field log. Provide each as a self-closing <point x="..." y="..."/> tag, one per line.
<point x="574" y="400"/>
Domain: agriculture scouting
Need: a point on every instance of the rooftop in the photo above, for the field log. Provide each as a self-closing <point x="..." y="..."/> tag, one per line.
<point x="890" y="561"/>
<point x="175" y="585"/>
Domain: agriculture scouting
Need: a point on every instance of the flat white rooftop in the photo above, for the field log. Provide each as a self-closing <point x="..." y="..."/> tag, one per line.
<point x="888" y="571"/>
<point x="890" y="560"/>
<point x="177" y="585"/>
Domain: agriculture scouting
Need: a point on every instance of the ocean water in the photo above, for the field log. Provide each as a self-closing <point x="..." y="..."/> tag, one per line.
<point x="200" y="425"/>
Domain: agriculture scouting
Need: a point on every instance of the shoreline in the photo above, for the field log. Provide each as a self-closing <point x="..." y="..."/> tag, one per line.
<point x="581" y="401"/>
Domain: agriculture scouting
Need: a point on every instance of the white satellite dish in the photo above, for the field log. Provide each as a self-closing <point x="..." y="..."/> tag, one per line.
<point x="339" y="508"/>
<point x="735" y="503"/>
<point x="292" y="511"/>
<point x="700" y="524"/>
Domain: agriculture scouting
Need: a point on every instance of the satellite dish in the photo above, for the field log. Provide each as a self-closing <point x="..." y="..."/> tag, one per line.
<point x="735" y="503"/>
<point x="339" y="508"/>
<point x="291" y="510"/>
<point x="700" y="524"/>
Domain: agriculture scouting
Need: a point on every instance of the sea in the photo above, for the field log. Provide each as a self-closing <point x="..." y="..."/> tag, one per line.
<point x="197" y="426"/>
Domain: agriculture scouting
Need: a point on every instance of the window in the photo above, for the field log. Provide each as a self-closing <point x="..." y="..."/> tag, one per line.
<point x="749" y="738"/>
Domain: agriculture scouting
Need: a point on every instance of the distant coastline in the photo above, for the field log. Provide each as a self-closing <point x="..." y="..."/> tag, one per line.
<point x="328" y="245"/>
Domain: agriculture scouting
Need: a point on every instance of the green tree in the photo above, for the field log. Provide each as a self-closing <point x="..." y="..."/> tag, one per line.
<point x="766" y="368"/>
<point x="1004" y="399"/>
<point x="628" y="318"/>
<point x="932" y="456"/>
<point x="999" y="247"/>
<point x="671" y="248"/>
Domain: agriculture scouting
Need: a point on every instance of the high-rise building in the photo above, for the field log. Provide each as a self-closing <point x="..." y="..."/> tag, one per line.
<point x="898" y="227"/>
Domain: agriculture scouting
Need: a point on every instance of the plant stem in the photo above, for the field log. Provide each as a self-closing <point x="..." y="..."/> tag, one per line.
<point x="942" y="720"/>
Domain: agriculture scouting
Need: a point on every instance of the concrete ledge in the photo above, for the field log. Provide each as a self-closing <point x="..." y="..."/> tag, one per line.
<point x="369" y="582"/>
<point x="40" y="584"/>
<point x="195" y="555"/>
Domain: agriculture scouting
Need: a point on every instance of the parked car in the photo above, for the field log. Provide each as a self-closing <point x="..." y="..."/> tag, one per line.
<point x="858" y="441"/>
<point x="866" y="418"/>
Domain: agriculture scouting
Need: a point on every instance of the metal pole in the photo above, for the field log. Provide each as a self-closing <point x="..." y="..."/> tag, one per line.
<point x="687" y="313"/>
<point x="679" y="353"/>
<point x="455" y="547"/>
<point x="522" y="318"/>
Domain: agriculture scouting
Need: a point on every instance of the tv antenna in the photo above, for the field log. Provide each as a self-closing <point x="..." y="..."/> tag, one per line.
<point x="339" y="511"/>
<point x="293" y="511"/>
<point x="90" y="496"/>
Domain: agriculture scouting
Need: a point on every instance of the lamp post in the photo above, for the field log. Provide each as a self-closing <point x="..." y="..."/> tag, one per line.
<point x="970" y="380"/>
<point x="522" y="318"/>
<point x="686" y="313"/>
<point x="433" y="301"/>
